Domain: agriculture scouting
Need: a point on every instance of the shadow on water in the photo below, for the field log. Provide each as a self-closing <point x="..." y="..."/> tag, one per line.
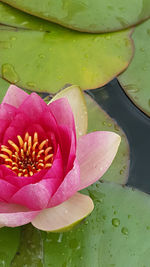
<point x="135" y="124"/>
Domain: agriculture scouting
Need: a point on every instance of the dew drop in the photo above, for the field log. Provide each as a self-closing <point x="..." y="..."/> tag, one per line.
<point x="115" y="222"/>
<point x="142" y="49"/>
<point x="13" y="38"/>
<point x="31" y="84"/>
<point x="124" y="231"/>
<point x="41" y="56"/>
<point x="121" y="172"/>
<point x="104" y="123"/>
<point x="116" y="127"/>
<point x="60" y="238"/>
<point x="9" y="73"/>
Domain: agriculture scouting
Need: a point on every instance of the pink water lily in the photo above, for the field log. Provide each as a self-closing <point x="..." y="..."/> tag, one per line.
<point x="42" y="162"/>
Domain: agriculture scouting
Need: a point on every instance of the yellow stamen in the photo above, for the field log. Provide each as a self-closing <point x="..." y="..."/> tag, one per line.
<point x="34" y="146"/>
<point x="25" y="147"/>
<point x="26" y="137"/>
<point x="13" y="145"/>
<point x="43" y="144"/>
<point x="39" y="153"/>
<point x="3" y="156"/>
<point x="48" y="157"/>
<point x="20" y="141"/>
<point x="8" y="151"/>
<point x="8" y="161"/>
<point x="35" y="138"/>
<point x="48" y="165"/>
<point x="28" y="157"/>
<point x="48" y="150"/>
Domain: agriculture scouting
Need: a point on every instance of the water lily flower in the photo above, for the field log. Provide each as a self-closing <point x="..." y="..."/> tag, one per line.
<point x="46" y="157"/>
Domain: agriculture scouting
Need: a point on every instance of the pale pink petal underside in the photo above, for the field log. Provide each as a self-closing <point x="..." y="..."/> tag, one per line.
<point x="68" y="187"/>
<point x="14" y="96"/>
<point x="13" y="215"/>
<point x="95" y="153"/>
<point x="65" y="215"/>
<point x="76" y="100"/>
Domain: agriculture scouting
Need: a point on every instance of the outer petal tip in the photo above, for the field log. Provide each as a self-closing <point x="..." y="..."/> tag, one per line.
<point x="63" y="217"/>
<point x="14" y="96"/>
<point x="77" y="102"/>
<point x="95" y="153"/>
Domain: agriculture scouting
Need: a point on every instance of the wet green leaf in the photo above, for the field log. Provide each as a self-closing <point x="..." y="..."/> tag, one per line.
<point x="136" y="79"/>
<point x="51" y="60"/>
<point x="30" y="251"/>
<point x="98" y="120"/>
<point x="9" y="242"/>
<point x="87" y="15"/>
<point x="13" y="17"/>
<point x="113" y="235"/>
<point x="3" y="88"/>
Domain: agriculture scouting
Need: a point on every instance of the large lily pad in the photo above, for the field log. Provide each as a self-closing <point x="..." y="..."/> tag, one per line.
<point x="13" y="17"/>
<point x="9" y="241"/>
<point x="113" y="235"/>
<point x="44" y="61"/>
<point x="136" y="79"/>
<point x="30" y="250"/>
<point x="98" y="120"/>
<point x="87" y="15"/>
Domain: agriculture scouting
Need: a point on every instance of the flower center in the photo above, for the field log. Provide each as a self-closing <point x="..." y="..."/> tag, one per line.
<point x="29" y="157"/>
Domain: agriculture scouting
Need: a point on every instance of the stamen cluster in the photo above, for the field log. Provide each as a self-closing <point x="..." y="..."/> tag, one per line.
<point x="27" y="158"/>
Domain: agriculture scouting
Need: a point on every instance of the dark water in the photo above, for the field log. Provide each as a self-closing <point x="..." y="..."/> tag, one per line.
<point x="135" y="124"/>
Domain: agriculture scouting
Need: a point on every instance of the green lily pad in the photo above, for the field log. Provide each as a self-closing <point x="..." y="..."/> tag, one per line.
<point x="9" y="241"/>
<point x="98" y="120"/>
<point x="30" y="251"/>
<point x="3" y="88"/>
<point x="136" y="79"/>
<point x="13" y="17"/>
<point x="87" y="15"/>
<point x="113" y="235"/>
<point x="51" y="60"/>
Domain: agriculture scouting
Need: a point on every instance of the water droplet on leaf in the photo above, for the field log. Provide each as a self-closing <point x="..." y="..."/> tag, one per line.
<point x="124" y="231"/>
<point x="9" y="73"/>
<point x="115" y="222"/>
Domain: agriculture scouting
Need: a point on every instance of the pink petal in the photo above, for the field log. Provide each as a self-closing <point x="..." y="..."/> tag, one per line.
<point x="7" y="114"/>
<point x="6" y="190"/>
<point x="19" y="182"/>
<point x="17" y="127"/>
<point x="75" y="97"/>
<point x="33" y="107"/>
<point x="13" y="215"/>
<point x="65" y="215"/>
<point x="36" y="196"/>
<point x="95" y="153"/>
<point x="56" y="171"/>
<point x="68" y="147"/>
<point x="62" y="112"/>
<point x="14" y="96"/>
<point x="68" y="187"/>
